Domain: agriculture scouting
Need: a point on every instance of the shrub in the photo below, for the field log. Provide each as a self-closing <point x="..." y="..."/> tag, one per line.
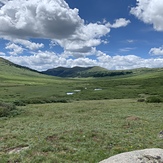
<point x="153" y="99"/>
<point x="6" y="109"/>
<point x="45" y="100"/>
<point x="141" y="100"/>
<point x="19" y="103"/>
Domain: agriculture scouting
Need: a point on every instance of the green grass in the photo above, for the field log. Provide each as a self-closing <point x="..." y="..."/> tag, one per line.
<point x="21" y="86"/>
<point x="88" y="126"/>
<point x="83" y="131"/>
<point x="44" y="88"/>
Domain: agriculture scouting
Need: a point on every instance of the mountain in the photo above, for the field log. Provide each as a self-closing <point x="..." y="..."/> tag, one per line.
<point x="9" y="70"/>
<point x="94" y="71"/>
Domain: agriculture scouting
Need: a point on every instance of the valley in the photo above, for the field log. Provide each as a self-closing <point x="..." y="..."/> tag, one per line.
<point x="104" y="116"/>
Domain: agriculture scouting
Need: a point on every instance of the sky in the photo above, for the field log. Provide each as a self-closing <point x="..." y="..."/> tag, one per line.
<point x="114" y="34"/>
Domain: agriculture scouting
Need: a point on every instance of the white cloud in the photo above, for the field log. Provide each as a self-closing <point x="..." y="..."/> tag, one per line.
<point x="156" y="51"/>
<point x="83" y="62"/>
<point x="3" y="1"/>
<point x="150" y="12"/>
<point x="15" y="49"/>
<point x="41" y="60"/>
<point x="86" y="37"/>
<point x="17" y="46"/>
<point x="55" y="20"/>
<point x="121" y="22"/>
<point x="28" y="44"/>
<point x="45" y="19"/>
<point x="44" y="60"/>
<point x="130" y="41"/>
<point x="2" y="54"/>
<point x="127" y="62"/>
<point x="126" y="49"/>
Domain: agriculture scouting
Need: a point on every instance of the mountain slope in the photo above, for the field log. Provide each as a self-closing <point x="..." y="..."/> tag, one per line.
<point x="8" y="67"/>
<point x="11" y="71"/>
<point x="84" y="72"/>
<point x="64" y="72"/>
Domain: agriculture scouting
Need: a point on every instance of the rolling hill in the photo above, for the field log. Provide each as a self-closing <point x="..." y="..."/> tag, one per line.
<point x="8" y="68"/>
<point x="95" y="71"/>
<point x="13" y="74"/>
<point x="19" y="84"/>
<point x="11" y="70"/>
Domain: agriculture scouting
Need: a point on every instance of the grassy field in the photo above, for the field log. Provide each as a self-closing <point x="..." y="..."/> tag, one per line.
<point x="21" y="86"/>
<point x="81" y="131"/>
<point x="39" y="122"/>
<point x="43" y="89"/>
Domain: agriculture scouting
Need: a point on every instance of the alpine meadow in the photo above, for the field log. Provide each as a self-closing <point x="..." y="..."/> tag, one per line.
<point x="81" y="81"/>
<point x="78" y="119"/>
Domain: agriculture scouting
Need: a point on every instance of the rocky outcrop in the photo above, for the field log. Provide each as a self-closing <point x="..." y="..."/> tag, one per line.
<point x="154" y="155"/>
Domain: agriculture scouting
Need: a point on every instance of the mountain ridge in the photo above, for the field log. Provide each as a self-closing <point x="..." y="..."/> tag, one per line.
<point x="8" y="68"/>
<point x="94" y="71"/>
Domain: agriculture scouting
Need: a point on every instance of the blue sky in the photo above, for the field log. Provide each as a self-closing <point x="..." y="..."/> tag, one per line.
<point x="115" y="34"/>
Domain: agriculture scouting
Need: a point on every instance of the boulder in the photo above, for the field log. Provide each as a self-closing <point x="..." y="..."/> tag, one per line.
<point x="153" y="155"/>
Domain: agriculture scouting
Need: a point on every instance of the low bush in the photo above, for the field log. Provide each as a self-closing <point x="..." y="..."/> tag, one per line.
<point x="7" y="109"/>
<point x="141" y="100"/>
<point x="153" y="99"/>
<point x="41" y="101"/>
<point x="19" y="103"/>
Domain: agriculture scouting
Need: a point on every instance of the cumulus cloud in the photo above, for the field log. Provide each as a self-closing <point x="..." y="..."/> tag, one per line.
<point x="46" y="18"/>
<point x="26" y="20"/>
<point x="44" y="60"/>
<point x="85" y="38"/>
<point x="2" y="54"/>
<point x="121" y="22"/>
<point x="18" y="46"/>
<point x="119" y="62"/>
<point x="150" y="12"/>
<point x="51" y="20"/>
<point x="41" y="60"/>
<point x="28" y="44"/>
<point x="156" y="51"/>
<point x="55" y="20"/>
<point x="15" y="49"/>
<point x="2" y="2"/>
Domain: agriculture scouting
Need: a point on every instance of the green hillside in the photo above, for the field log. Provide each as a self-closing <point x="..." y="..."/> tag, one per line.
<point x="16" y="74"/>
<point x="22" y="85"/>
<point x="11" y="70"/>
<point x="95" y="71"/>
<point x="50" y="119"/>
<point x="65" y="72"/>
<point x="18" y="83"/>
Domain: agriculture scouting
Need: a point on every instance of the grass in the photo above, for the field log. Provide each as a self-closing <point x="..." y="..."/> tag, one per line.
<point x="27" y="90"/>
<point x="21" y="86"/>
<point x="89" y="126"/>
<point x="83" y="131"/>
